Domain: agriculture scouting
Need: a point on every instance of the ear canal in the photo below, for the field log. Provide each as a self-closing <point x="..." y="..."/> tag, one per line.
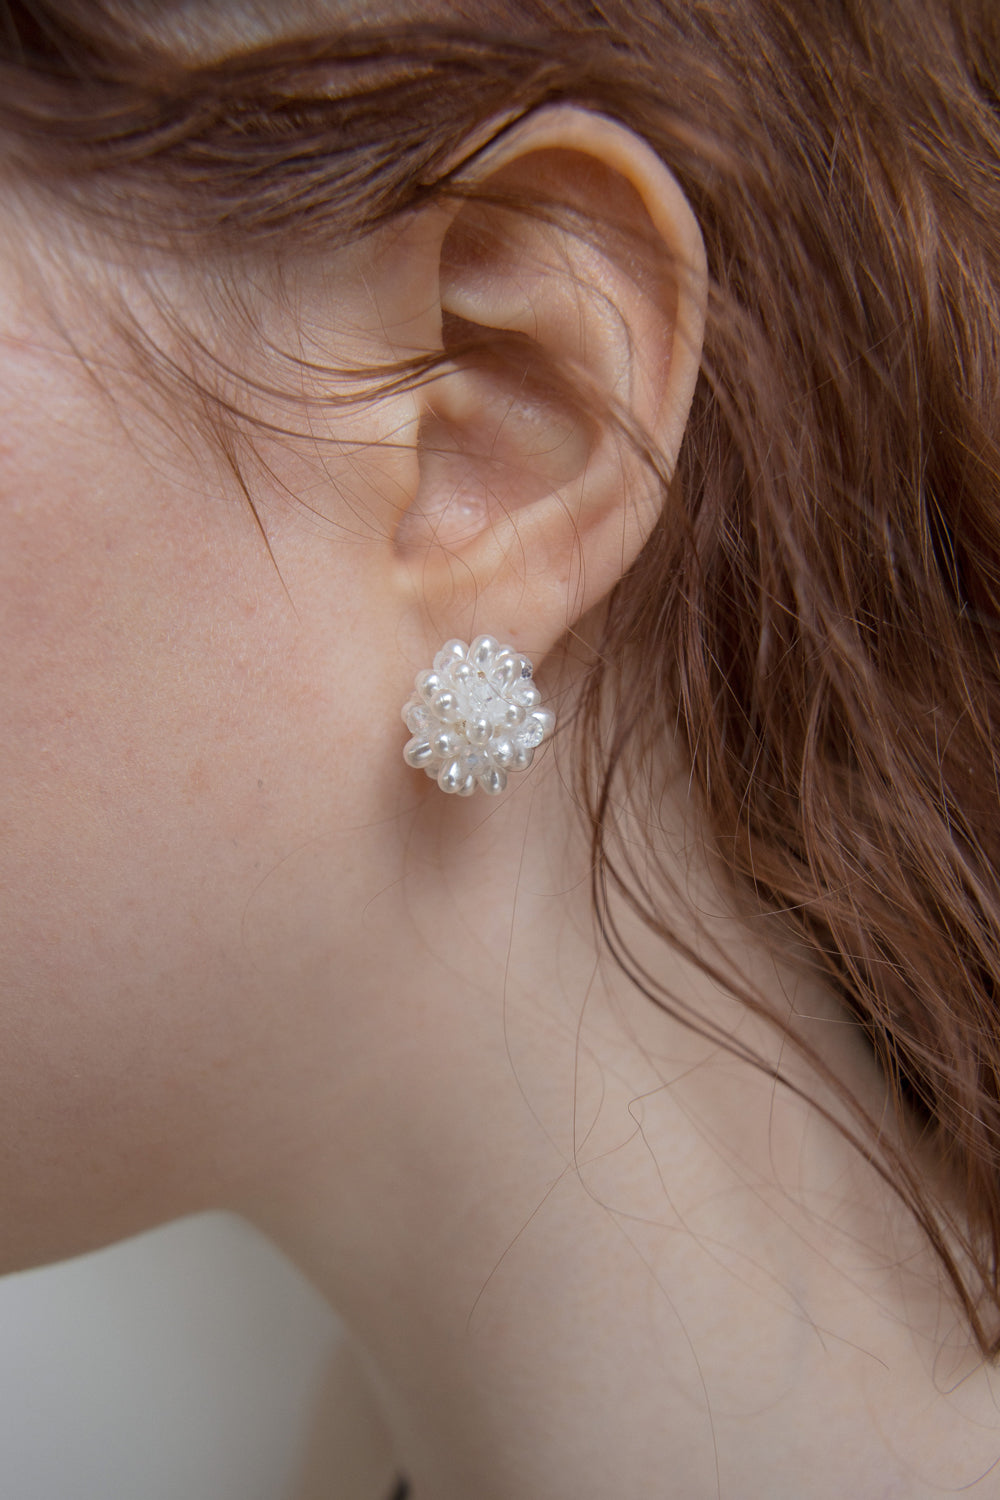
<point x="498" y="436"/>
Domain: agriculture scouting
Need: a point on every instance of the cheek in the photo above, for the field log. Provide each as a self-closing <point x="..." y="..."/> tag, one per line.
<point x="116" y="709"/>
<point x="100" y="784"/>
<point x="172" y="734"/>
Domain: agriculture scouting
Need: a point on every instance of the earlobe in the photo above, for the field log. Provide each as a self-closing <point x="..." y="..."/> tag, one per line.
<point x="572" y="291"/>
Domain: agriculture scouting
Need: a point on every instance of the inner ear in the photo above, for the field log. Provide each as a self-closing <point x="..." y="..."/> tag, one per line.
<point x="501" y="432"/>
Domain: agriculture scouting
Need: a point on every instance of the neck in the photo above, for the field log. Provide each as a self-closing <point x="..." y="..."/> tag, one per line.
<point x="497" y="1126"/>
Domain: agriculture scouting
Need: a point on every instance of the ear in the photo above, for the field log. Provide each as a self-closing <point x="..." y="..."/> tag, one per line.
<point x="571" y="291"/>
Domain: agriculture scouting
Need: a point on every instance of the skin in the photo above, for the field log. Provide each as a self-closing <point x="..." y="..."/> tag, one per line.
<point x="248" y="959"/>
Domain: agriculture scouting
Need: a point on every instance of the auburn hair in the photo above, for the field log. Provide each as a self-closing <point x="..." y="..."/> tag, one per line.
<point x="817" y="615"/>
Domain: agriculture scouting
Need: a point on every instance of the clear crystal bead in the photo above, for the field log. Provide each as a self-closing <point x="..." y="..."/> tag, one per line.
<point x="418" y="719"/>
<point x="531" y="734"/>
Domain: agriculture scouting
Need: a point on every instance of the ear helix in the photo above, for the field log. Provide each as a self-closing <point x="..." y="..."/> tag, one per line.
<point x="475" y="716"/>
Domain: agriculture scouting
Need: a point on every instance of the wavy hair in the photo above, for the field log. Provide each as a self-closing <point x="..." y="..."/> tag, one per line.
<point x="817" y="616"/>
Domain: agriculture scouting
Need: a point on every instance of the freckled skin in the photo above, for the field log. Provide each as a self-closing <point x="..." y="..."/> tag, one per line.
<point x="249" y="959"/>
<point x="175" y="713"/>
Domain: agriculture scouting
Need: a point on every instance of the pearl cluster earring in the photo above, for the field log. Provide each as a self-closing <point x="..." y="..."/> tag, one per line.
<point x="475" y="717"/>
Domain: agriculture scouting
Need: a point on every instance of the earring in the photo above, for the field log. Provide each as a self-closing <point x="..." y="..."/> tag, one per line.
<point x="475" y="717"/>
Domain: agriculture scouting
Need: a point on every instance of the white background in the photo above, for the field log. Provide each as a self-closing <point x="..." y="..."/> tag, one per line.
<point x="182" y="1365"/>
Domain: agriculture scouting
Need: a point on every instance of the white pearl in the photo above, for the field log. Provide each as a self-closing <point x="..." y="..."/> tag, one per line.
<point x="446" y="744"/>
<point x="451" y="776"/>
<point x="482" y="651"/>
<point x="501" y="752"/>
<point x="506" y="670"/>
<point x="493" y="781"/>
<point x="450" y="653"/>
<point x="427" y="684"/>
<point x="418" y="752"/>
<point x="446" y="705"/>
